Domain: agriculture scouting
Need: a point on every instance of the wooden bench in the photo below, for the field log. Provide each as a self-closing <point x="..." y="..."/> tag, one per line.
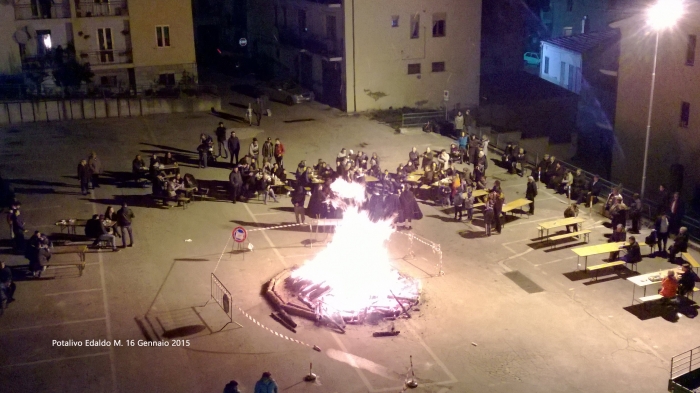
<point x="181" y="201"/>
<point x="67" y="250"/>
<point x="691" y="261"/>
<point x="596" y="268"/>
<point x="585" y="234"/>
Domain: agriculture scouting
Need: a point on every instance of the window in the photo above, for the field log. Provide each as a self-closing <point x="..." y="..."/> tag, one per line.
<point x="546" y="64"/>
<point x="568" y="31"/>
<point x="690" y="53"/>
<point x="331" y="27"/>
<point x="569" y="5"/>
<point x="414" y="69"/>
<point x="166" y="79"/>
<point x="108" y="80"/>
<point x="105" y="45"/>
<point x="43" y="38"/>
<point x="439" y="24"/>
<point x="438" y="66"/>
<point x="302" y="21"/>
<point x="394" y="21"/>
<point x="163" y="36"/>
<point x="685" y="114"/>
<point x="415" y="26"/>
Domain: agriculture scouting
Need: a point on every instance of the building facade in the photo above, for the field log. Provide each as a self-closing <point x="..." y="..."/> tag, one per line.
<point x="674" y="145"/>
<point x="128" y="44"/>
<point x="569" y="17"/>
<point x="361" y="55"/>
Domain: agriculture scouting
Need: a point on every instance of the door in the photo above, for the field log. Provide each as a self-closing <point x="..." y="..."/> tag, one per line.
<point x="305" y="70"/>
<point x="332" y="84"/>
<point x="105" y="45"/>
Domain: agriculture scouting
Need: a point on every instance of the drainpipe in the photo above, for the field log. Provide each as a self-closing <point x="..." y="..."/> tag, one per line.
<point x="354" y="67"/>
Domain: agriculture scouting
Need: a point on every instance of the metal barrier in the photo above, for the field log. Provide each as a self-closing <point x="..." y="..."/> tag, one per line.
<point x="420" y="118"/>
<point x="683" y="365"/>
<point x="223" y="298"/>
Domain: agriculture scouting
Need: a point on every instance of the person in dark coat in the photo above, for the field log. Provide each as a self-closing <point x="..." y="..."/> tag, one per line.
<point x="95" y="166"/>
<point x="124" y="218"/>
<point x="220" y="133"/>
<point x="498" y="202"/>
<point x="18" y="231"/>
<point x="316" y="205"/>
<point x="591" y="191"/>
<point x="676" y="210"/>
<point x="231" y="387"/>
<point x="7" y="285"/>
<point x="38" y="253"/>
<point x="375" y="206"/>
<point x="473" y="150"/>
<point x="686" y="283"/>
<point x="409" y="205"/>
<point x="664" y="199"/>
<point x="235" y="183"/>
<point x="392" y="207"/>
<point x="234" y="147"/>
<point x="531" y="193"/>
<point x="298" y="200"/>
<point x="83" y="176"/>
<point x="680" y="244"/>
<point x="634" y="255"/>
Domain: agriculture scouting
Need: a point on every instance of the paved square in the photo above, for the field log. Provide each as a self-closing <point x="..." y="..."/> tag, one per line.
<point x="476" y="331"/>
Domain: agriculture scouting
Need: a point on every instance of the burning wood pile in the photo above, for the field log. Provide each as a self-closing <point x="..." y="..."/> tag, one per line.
<point x="314" y="301"/>
<point x="351" y="280"/>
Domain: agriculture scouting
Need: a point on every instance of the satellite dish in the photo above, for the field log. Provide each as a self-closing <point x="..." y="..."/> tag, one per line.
<point x="21" y="36"/>
<point x="30" y="30"/>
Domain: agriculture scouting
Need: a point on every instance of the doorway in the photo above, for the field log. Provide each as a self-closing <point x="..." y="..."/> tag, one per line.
<point x="105" y="44"/>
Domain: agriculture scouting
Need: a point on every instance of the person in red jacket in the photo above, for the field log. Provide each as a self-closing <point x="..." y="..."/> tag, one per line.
<point x="279" y="152"/>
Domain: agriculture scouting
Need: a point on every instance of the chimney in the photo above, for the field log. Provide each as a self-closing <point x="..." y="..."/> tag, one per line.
<point x="584" y="24"/>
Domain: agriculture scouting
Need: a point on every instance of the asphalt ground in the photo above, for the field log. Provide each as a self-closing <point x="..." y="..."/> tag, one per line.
<point x="477" y="330"/>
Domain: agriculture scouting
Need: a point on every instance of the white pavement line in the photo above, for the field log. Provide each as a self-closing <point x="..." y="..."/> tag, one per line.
<point x="351" y="361"/>
<point x="269" y="241"/>
<point x="502" y="263"/>
<point x="105" y="303"/>
<point x="439" y="362"/>
<point x="228" y="239"/>
<point x="270" y="214"/>
<point x="555" y="261"/>
<point x="71" y="292"/>
<point x="54" y="324"/>
<point x="92" y="355"/>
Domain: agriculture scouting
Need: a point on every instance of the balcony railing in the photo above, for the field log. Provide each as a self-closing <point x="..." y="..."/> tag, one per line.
<point x="106" y="57"/>
<point x="39" y="10"/>
<point x="87" y="9"/>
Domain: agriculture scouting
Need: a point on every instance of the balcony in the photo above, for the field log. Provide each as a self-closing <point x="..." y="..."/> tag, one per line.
<point x="314" y="44"/>
<point x="88" y="9"/>
<point x="41" y="10"/>
<point x="106" y="57"/>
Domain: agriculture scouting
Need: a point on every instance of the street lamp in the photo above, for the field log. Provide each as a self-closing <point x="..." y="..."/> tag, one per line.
<point x="662" y="15"/>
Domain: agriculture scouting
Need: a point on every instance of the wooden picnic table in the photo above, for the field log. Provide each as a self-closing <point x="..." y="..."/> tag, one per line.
<point x="418" y="172"/>
<point x="587" y="251"/>
<point x="370" y="179"/>
<point x="58" y="252"/>
<point x="413" y="178"/>
<point x="516" y="204"/>
<point x="70" y="224"/>
<point x="546" y="226"/>
<point x="644" y="280"/>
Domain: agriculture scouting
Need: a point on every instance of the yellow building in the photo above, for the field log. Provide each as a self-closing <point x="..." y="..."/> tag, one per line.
<point x="129" y="44"/>
<point x="675" y="122"/>
<point x="360" y="55"/>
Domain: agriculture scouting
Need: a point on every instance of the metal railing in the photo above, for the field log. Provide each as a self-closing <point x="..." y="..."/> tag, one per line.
<point x="311" y="42"/>
<point x="682" y="365"/>
<point x="21" y="92"/>
<point x="103" y="57"/>
<point x="649" y="207"/>
<point x="59" y="10"/>
<point x="418" y="119"/>
<point x="87" y="9"/>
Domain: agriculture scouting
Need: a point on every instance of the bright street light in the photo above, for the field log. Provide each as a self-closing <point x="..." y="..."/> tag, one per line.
<point x="665" y="14"/>
<point x="662" y="15"/>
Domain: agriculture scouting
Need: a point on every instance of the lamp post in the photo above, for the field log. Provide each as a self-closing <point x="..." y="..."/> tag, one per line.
<point x="664" y="14"/>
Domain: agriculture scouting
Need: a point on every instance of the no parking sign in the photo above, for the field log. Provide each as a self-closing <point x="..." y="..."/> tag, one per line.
<point x="239" y="234"/>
